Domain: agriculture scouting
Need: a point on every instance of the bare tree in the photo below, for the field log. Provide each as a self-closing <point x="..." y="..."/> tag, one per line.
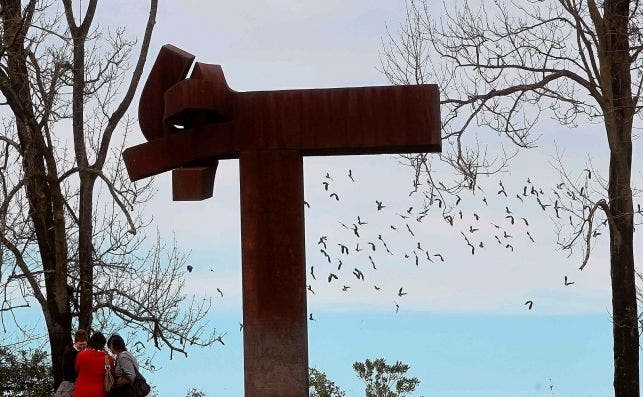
<point x="501" y="67"/>
<point x="68" y="213"/>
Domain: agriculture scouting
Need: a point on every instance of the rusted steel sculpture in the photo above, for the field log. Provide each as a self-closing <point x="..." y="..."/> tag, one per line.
<point x="192" y="123"/>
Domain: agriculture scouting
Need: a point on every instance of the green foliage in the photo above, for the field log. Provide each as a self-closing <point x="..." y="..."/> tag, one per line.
<point x="383" y="380"/>
<point x="194" y="392"/>
<point x="26" y="373"/>
<point x="321" y="386"/>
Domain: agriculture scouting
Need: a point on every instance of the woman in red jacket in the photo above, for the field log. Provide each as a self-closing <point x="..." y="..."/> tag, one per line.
<point x="90" y="366"/>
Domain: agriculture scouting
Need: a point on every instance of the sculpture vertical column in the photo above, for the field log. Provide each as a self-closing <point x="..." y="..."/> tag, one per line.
<point x="274" y="273"/>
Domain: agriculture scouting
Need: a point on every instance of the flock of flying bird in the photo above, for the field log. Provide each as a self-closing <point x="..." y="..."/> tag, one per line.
<point x="351" y="254"/>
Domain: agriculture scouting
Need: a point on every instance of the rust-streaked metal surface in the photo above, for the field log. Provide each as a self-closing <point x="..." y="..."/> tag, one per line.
<point x="274" y="273"/>
<point x="191" y="124"/>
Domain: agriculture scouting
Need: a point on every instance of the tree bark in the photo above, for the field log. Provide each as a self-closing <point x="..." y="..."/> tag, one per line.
<point x="619" y="113"/>
<point x="41" y="184"/>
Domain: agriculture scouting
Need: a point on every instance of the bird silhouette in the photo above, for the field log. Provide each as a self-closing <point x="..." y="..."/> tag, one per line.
<point x="345" y="288"/>
<point x="335" y="196"/>
<point x="543" y="206"/>
<point x="525" y="220"/>
<point x="328" y="176"/>
<point x="190" y="268"/>
<point x="220" y="292"/>
<point x="568" y="282"/>
<point x="350" y="175"/>
<point x="529" y="304"/>
<point x="379" y="205"/>
<point x="306" y="204"/>
<point x="325" y="254"/>
<point x="360" y="222"/>
<point x="343" y="248"/>
<point x="372" y="245"/>
<point x="332" y="276"/>
<point x="510" y="246"/>
<point x="355" y="228"/>
<point x="397" y="307"/>
<point x="511" y="218"/>
<point x="325" y="185"/>
<point x="357" y="248"/>
<point x="322" y="241"/>
<point x="439" y="256"/>
<point x="372" y="263"/>
<point x="530" y="237"/>
<point x="358" y="273"/>
<point x="400" y="292"/>
<point x="312" y="272"/>
<point x="449" y="219"/>
<point x="310" y="288"/>
<point x="310" y="317"/>
<point x="377" y="288"/>
<point x="339" y="265"/>
<point x="409" y="229"/>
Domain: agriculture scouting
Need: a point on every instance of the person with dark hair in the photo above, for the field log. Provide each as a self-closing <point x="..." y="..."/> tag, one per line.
<point x="91" y="365"/>
<point x="126" y="370"/>
<point x="66" y="387"/>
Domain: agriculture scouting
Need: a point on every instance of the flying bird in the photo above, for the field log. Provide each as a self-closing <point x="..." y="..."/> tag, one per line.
<point x="529" y="304"/>
<point x="310" y="288"/>
<point x="568" y="282"/>
<point x="530" y="237"/>
<point x="379" y="205"/>
<point x="372" y="263"/>
<point x="322" y="241"/>
<point x="334" y="195"/>
<point x="400" y="293"/>
<point x="332" y="276"/>
<point x="350" y="175"/>
<point x="220" y="292"/>
<point x="355" y="228"/>
<point x="190" y="268"/>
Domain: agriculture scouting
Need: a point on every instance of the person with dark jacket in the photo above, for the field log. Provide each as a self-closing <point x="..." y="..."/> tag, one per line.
<point x="66" y="387"/>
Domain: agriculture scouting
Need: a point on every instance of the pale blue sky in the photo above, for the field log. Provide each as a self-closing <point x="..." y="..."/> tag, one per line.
<point x="463" y="326"/>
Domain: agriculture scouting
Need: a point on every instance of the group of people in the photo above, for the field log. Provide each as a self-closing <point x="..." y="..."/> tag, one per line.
<point x="86" y="363"/>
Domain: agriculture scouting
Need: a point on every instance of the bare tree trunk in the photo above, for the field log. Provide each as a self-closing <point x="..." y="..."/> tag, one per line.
<point x="615" y="64"/>
<point x="41" y="184"/>
<point x="85" y="233"/>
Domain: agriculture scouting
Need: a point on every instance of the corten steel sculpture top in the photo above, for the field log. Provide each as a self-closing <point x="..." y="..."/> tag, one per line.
<point x="192" y="123"/>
